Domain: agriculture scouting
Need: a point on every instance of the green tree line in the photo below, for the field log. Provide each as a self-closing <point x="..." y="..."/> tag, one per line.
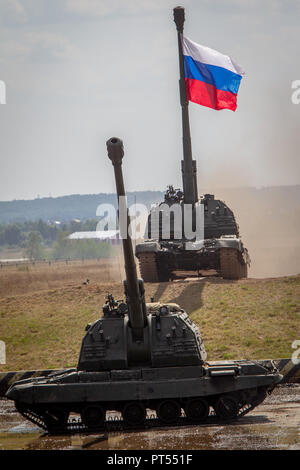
<point x="41" y="240"/>
<point x="17" y="234"/>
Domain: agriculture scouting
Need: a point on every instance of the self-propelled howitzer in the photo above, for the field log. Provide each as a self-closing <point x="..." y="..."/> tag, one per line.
<point x="219" y="247"/>
<point x="140" y="357"/>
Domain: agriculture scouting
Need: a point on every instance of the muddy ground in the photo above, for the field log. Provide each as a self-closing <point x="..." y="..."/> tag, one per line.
<point x="275" y="424"/>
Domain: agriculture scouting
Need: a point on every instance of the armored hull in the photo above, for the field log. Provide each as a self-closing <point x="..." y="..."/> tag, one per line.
<point x="166" y="371"/>
<point x="196" y="394"/>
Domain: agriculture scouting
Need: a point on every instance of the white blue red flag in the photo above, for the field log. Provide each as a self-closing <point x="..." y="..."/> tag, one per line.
<point x="212" y="79"/>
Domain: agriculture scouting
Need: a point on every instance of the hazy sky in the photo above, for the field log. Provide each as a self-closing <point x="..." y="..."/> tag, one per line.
<point x="78" y="72"/>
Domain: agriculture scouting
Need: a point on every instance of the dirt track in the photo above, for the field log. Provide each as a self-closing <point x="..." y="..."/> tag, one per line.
<point x="275" y="424"/>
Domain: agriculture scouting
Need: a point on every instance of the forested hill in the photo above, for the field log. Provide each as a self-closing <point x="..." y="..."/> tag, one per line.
<point x="276" y="203"/>
<point x="66" y="208"/>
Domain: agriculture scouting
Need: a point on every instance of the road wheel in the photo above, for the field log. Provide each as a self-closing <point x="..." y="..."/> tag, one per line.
<point x="93" y="416"/>
<point x="226" y="407"/>
<point x="197" y="410"/>
<point x="134" y="414"/>
<point x="259" y="397"/>
<point x="168" y="411"/>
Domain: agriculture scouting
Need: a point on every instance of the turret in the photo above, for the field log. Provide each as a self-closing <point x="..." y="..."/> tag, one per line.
<point x="134" y="287"/>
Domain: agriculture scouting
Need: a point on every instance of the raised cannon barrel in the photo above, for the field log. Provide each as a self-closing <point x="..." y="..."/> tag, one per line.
<point x="188" y="165"/>
<point x="134" y="289"/>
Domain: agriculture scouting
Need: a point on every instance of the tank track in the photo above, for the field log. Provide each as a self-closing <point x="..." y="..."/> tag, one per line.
<point x="153" y="269"/>
<point x="148" y="267"/>
<point x="232" y="265"/>
<point x="74" y="424"/>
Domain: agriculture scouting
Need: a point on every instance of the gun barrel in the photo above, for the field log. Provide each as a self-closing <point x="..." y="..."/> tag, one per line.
<point x="134" y="296"/>
<point x="188" y="165"/>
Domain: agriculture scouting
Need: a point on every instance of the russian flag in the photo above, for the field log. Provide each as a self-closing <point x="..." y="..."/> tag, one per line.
<point x="211" y="78"/>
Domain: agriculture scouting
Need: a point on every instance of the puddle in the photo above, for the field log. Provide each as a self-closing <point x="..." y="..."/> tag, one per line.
<point x="23" y="428"/>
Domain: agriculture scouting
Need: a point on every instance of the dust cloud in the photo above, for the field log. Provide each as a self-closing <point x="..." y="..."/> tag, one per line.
<point x="269" y="222"/>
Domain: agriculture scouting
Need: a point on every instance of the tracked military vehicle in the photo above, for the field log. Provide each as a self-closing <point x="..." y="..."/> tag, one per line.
<point x="219" y="248"/>
<point x="138" y="357"/>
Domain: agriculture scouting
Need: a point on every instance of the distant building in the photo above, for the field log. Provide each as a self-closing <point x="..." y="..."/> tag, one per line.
<point x="113" y="236"/>
<point x="53" y="222"/>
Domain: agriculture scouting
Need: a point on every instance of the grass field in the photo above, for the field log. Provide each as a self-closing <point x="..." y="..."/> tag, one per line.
<point x="44" y="310"/>
<point x="32" y="277"/>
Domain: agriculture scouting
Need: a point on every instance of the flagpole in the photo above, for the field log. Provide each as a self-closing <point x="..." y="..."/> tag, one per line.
<point x="188" y="165"/>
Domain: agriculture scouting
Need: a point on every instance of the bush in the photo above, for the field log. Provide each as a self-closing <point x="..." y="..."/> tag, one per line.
<point x="78" y="249"/>
<point x="34" y="248"/>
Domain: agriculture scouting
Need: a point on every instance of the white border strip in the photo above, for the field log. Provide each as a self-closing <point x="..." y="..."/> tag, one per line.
<point x="209" y="56"/>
